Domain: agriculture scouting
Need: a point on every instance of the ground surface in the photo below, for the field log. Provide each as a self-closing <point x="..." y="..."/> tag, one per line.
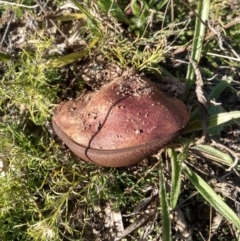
<point x="47" y="193"/>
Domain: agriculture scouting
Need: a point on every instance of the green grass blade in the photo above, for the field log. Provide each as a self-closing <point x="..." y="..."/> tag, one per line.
<point x="213" y="120"/>
<point x="67" y="16"/>
<point x="213" y="154"/>
<point x="166" y="223"/>
<point x="176" y="177"/>
<point x="90" y="19"/>
<point x="216" y="109"/>
<point x="203" y="11"/>
<point x="135" y="8"/>
<point x="116" y="11"/>
<point x="5" y="57"/>
<point x="209" y="195"/>
<point x="220" y="87"/>
<point x="70" y="58"/>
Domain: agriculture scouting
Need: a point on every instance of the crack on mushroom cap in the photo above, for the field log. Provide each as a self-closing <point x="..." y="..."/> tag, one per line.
<point x="96" y="121"/>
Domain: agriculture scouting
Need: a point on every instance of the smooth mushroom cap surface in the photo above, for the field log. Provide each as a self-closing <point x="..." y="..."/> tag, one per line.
<point x="122" y="123"/>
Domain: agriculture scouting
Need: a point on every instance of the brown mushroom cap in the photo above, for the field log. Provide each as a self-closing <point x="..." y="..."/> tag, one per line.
<point x="120" y="124"/>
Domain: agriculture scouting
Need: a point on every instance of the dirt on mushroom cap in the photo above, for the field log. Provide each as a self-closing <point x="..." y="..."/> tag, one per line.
<point x="123" y="113"/>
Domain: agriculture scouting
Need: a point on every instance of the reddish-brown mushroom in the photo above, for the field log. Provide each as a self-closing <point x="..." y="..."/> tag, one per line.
<point x="121" y="124"/>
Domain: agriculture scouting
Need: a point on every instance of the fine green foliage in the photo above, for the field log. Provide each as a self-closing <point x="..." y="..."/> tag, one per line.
<point x="27" y="86"/>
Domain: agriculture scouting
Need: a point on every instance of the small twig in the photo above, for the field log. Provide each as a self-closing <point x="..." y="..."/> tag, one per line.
<point x="59" y="30"/>
<point x="199" y="83"/>
<point x="209" y="36"/>
<point x="200" y="96"/>
<point x="19" y="5"/>
<point x="149" y="227"/>
<point x="236" y="158"/>
<point x="221" y="40"/>
<point x="223" y="56"/>
<point x="6" y="30"/>
<point x="214" y="103"/>
<point x="69" y="5"/>
<point x="212" y="78"/>
<point x="44" y="6"/>
<point x="226" y="26"/>
<point x="194" y="12"/>
<point x="147" y="215"/>
<point x="172" y="11"/>
<point x="137" y="224"/>
<point x="218" y="34"/>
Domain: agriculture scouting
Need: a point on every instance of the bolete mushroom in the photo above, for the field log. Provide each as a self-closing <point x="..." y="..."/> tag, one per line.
<point x="125" y="121"/>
